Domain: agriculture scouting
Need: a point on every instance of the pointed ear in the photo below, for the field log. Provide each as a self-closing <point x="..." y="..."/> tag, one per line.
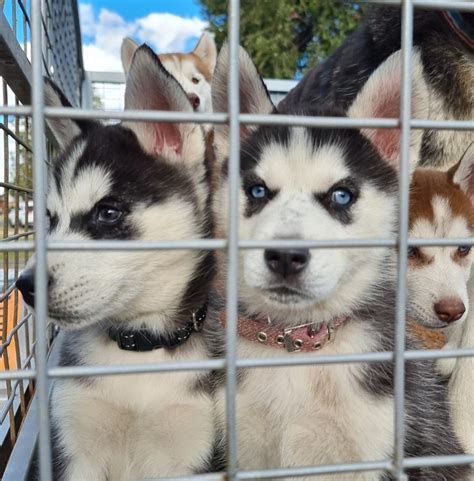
<point x="206" y="50"/>
<point x="65" y="130"/>
<point x="254" y="97"/>
<point x="380" y="98"/>
<point x="463" y="172"/>
<point x="127" y="50"/>
<point x="150" y="87"/>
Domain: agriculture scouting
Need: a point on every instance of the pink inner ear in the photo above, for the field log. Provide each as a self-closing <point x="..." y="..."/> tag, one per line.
<point x="387" y="141"/>
<point x="167" y="136"/>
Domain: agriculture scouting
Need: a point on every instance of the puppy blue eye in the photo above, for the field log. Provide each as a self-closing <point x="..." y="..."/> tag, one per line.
<point x="341" y="197"/>
<point x="258" y="191"/>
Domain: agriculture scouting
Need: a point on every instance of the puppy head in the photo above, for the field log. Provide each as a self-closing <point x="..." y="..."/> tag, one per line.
<point x="315" y="184"/>
<point x="441" y="205"/>
<point x="138" y="181"/>
<point x="192" y="70"/>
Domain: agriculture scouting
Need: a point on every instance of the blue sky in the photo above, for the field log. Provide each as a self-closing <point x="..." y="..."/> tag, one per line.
<point x="167" y="25"/>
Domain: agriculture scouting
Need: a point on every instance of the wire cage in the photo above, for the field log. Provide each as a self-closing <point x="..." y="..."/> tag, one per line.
<point x="61" y="59"/>
<point x="55" y="49"/>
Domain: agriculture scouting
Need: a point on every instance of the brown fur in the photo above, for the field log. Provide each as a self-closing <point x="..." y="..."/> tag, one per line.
<point x="178" y="58"/>
<point x="426" y="184"/>
<point x="430" y="339"/>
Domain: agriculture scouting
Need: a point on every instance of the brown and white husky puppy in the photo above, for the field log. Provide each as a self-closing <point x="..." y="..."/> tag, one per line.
<point x="132" y="181"/>
<point x="441" y="206"/>
<point x="310" y="183"/>
<point x="192" y="70"/>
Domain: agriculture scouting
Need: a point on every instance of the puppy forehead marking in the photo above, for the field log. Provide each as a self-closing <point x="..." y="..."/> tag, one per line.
<point x="81" y="192"/>
<point x="300" y="166"/>
<point x="444" y="223"/>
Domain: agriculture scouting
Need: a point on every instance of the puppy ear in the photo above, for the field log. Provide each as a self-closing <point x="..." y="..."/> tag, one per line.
<point x="65" y="130"/>
<point x="206" y="50"/>
<point x="380" y="97"/>
<point x="127" y="50"/>
<point x="254" y="97"/>
<point x="463" y="172"/>
<point x="150" y="87"/>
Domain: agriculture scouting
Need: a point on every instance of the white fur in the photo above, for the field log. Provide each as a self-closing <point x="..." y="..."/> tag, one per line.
<point x="184" y="72"/>
<point x="464" y="175"/>
<point x="445" y="276"/>
<point x="311" y="415"/>
<point x="122" y="428"/>
<point x="335" y="277"/>
<point x="185" y="69"/>
<point x="461" y="384"/>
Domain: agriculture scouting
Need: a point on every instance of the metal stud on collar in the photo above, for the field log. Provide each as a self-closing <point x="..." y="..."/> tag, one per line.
<point x="262" y="337"/>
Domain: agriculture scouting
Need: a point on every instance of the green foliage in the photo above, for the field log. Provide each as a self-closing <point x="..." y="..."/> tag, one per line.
<point x="285" y="37"/>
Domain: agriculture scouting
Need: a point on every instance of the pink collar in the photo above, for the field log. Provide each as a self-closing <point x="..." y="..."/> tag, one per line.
<point x="305" y="337"/>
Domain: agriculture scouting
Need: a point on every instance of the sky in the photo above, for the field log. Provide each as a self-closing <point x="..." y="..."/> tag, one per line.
<point x="166" y="25"/>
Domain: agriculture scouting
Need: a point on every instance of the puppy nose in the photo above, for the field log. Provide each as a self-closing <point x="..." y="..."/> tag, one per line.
<point x="287" y="262"/>
<point x="450" y="309"/>
<point x="26" y="285"/>
<point x="194" y="99"/>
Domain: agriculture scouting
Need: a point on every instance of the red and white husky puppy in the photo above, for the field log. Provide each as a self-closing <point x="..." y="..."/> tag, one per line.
<point x="192" y="70"/>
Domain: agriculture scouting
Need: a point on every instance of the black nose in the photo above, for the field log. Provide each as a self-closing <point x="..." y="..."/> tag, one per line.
<point x="287" y="262"/>
<point x="26" y="285"/>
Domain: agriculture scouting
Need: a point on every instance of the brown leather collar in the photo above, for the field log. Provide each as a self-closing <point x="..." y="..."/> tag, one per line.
<point x="305" y="337"/>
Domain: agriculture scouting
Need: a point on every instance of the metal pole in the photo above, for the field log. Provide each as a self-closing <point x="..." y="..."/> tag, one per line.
<point x="233" y="238"/>
<point x="41" y="275"/>
<point x="399" y="349"/>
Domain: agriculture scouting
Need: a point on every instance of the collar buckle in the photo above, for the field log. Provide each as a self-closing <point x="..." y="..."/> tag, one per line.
<point x="296" y="344"/>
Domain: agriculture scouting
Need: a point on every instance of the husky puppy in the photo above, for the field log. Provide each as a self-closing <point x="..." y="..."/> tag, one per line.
<point x="142" y="181"/>
<point x="446" y="43"/>
<point x="303" y="183"/>
<point x="192" y="70"/>
<point x="441" y="206"/>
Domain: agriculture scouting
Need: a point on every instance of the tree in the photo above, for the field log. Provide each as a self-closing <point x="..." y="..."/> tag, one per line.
<point x="286" y="37"/>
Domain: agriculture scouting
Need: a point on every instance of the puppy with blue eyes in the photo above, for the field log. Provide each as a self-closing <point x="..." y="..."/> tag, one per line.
<point x="318" y="184"/>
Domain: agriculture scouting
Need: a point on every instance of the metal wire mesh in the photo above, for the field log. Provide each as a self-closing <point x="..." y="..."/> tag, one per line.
<point x="44" y="374"/>
<point x="58" y="27"/>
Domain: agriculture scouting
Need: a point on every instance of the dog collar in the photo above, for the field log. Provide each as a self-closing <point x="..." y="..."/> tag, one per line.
<point x="461" y="27"/>
<point x="144" y="340"/>
<point x="305" y="337"/>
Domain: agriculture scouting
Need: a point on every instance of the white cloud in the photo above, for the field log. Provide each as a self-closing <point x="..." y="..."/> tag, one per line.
<point x="165" y="32"/>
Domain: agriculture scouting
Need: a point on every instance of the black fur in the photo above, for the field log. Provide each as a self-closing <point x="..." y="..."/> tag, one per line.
<point x="426" y="402"/>
<point x="137" y="178"/>
<point x="337" y="80"/>
<point x="427" y="414"/>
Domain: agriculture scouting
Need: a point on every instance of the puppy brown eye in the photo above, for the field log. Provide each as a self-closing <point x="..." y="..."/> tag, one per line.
<point x="107" y="214"/>
<point x="464" y="250"/>
<point x="413" y="252"/>
<point x="195" y="80"/>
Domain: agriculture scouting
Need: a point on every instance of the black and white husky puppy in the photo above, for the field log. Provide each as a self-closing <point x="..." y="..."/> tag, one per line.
<point x="141" y="181"/>
<point x="304" y="183"/>
<point x="446" y="43"/>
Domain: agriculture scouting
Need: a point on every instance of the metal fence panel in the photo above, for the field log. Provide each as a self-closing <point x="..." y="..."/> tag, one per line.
<point x="44" y="373"/>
